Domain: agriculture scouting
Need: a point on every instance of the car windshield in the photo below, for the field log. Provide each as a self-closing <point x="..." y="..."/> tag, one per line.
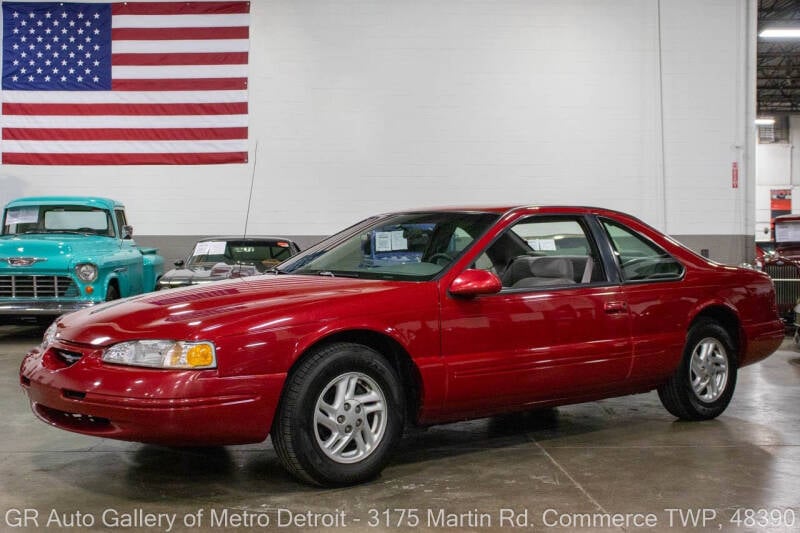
<point x="787" y="231"/>
<point x="261" y="254"/>
<point x="57" y="219"/>
<point x="409" y="246"/>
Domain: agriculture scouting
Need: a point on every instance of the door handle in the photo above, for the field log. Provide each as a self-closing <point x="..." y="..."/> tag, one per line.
<point x="613" y="308"/>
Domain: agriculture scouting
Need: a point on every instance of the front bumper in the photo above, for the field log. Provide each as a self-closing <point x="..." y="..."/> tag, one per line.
<point x="168" y="407"/>
<point x="42" y="308"/>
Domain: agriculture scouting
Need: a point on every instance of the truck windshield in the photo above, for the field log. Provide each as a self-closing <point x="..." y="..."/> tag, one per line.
<point x="79" y="219"/>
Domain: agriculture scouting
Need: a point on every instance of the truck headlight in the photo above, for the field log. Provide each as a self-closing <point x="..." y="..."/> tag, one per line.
<point x="86" y="272"/>
<point x="163" y="354"/>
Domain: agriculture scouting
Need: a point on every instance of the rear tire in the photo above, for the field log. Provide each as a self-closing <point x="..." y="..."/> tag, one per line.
<point x="703" y="384"/>
<point x="340" y="416"/>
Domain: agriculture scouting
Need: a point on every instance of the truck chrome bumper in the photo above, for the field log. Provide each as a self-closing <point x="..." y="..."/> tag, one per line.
<point x="40" y="308"/>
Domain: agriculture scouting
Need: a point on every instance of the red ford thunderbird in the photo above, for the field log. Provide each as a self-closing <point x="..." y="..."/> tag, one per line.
<point x="410" y="318"/>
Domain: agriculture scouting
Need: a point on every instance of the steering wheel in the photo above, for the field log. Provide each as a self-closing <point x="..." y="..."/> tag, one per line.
<point x="441" y="255"/>
<point x="86" y="230"/>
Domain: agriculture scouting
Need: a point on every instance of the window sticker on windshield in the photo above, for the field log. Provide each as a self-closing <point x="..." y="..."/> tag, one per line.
<point x="390" y="241"/>
<point x="22" y="215"/>
<point x="787" y="232"/>
<point x="398" y="241"/>
<point x="210" y="248"/>
<point x="542" y="244"/>
<point x="383" y="241"/>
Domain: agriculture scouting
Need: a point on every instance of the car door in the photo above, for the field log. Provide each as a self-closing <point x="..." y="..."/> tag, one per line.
<point x="130" y="270"/>
<point x="658" y="300"/>
<point x="559" y="328"/>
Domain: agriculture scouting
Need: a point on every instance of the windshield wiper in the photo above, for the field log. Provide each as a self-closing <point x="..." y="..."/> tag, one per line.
<point x="338" y="274"/>
<point x="325" y="273"/>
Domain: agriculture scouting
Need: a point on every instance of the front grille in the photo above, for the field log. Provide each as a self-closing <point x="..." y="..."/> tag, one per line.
<point x="786" y="278"/>
<point x="37" y="287"/>
<point x="72" y="421"/>
<point x="70" y="358"/>
<point x="784" y="271"/>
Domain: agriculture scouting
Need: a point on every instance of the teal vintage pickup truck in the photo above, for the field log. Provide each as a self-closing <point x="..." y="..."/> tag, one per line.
<point x="62" y="253"/>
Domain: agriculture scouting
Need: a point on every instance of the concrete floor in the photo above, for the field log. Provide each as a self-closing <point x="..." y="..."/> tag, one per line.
<point x="605" y="459"/>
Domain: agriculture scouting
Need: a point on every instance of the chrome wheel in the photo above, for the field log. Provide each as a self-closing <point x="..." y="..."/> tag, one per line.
<point x="350" y="417"/>
<point x="708" y="370"/>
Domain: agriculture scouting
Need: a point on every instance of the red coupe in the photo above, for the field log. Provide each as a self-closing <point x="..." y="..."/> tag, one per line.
<point x="410" y="318"/>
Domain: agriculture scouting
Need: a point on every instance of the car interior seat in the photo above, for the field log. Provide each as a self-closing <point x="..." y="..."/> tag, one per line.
<point x="528" y="271"/>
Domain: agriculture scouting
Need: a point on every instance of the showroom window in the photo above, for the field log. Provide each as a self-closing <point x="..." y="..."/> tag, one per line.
<point x="639" y="259"/>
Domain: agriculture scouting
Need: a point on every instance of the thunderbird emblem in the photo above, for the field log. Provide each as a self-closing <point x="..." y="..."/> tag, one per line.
<point x="22" y="261"/>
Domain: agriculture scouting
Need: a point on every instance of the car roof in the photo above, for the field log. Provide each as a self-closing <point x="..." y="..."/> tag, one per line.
<point x="532" y="208"/>
<point x="96" y="201"/>
<point x="794" y="216"/>
<point x="255" y="238"/>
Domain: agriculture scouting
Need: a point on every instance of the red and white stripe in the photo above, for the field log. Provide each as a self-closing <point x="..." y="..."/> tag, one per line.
<point x="179" y="94"/>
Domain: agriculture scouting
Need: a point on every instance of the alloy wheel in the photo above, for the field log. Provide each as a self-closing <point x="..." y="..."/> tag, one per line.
<point x="350" y="417"/>
<point x="708" y="370"/>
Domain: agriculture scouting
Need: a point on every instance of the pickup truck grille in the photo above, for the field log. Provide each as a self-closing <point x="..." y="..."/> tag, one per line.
<point x="37" y="287"/>
<point x="786" y="278"/>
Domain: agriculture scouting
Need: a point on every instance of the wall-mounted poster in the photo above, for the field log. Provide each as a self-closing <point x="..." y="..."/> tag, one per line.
<point x="780" y="203"/>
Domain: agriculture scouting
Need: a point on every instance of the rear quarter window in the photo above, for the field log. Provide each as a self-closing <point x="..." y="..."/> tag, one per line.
<point x="639" y="258"/>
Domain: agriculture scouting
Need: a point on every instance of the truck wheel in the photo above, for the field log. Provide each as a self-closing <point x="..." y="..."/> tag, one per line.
<point x="340" y="415"/>
<point x="703" y="385"/>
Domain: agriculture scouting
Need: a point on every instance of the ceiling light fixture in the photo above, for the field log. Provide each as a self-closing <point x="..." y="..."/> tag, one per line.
<point x="778" y="33"/>
<point x="765" y="121"/>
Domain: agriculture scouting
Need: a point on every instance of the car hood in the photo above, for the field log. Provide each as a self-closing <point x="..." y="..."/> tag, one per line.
<point x="54" y="251"/>
<point x="188" y="276"/>
<point x="231" y="307"/>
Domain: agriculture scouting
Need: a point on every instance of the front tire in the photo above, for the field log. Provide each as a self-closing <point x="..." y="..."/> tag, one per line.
<point x="703" y="384"/>
<point x="340" y="416"/>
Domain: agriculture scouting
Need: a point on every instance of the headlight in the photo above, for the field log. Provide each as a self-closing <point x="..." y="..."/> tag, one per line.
<point x="49" y="335"/>
<point x="86" y="272"/>
<point x="163" y="354"/>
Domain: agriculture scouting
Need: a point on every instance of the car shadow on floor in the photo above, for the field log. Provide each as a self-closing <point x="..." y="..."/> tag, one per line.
<point x="634" y="424"/>
<point x="146" y="472"/>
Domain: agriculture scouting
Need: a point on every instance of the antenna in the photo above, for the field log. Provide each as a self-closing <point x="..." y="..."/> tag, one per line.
<point x="250" y="198"/>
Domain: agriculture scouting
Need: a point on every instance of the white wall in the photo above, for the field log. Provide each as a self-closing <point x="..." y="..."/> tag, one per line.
<point x="773" y="171"/>
<point x="359" y="106"/>
<point x="778" y="167"/>
<point x="708" y="115"/>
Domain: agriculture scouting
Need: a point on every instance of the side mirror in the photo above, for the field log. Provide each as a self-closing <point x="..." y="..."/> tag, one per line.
<point x="127" y="232"/>
<point x="179" y="263"/>
<point x="474" y="282"/>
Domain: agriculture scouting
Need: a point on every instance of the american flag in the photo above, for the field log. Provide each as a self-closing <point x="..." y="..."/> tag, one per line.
<point x="127" y="83"/>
